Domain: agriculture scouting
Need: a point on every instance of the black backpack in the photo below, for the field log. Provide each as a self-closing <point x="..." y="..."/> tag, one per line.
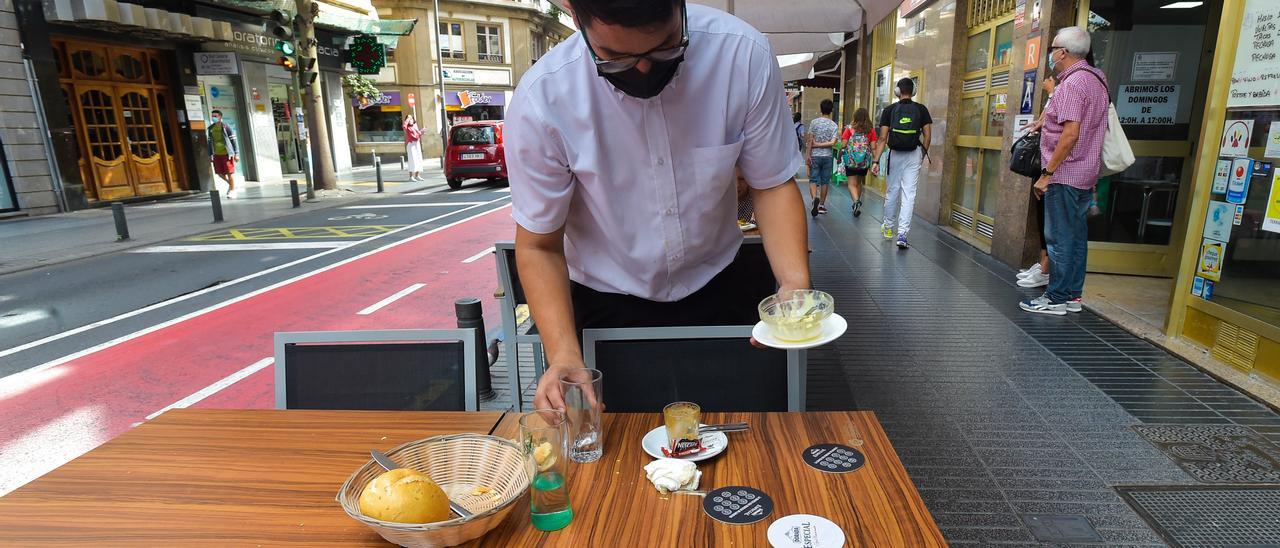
<point x="904" y="126"/>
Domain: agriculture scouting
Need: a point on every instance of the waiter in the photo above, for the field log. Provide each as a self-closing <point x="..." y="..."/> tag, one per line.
<point x="621" y="147"/>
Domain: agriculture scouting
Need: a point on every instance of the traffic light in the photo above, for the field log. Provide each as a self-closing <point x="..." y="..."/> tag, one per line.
<point x="306" y="70"/>
<point x="287" y="52"/>
<point x="281" y="25"/>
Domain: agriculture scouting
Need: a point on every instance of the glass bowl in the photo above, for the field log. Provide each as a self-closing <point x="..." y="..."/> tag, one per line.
<point x="798" y="315"/>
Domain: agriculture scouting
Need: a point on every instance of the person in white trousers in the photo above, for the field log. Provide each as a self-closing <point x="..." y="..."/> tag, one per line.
<point x="907" y="128"/>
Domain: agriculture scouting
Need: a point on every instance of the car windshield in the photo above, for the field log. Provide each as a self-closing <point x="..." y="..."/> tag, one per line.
<point x="473" y="135"/>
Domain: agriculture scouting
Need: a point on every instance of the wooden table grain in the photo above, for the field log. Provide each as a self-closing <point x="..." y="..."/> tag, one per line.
<point x="219" y="478"/>
<point x="614" y="505"/>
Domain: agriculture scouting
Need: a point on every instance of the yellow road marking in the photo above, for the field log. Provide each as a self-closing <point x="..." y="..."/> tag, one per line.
<point x="292" y="233"/>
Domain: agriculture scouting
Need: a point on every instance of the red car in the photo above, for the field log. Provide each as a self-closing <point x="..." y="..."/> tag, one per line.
<point x="475" y="152"/>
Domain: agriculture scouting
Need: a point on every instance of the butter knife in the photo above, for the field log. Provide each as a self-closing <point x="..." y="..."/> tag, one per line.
<point x="383" y="460"/>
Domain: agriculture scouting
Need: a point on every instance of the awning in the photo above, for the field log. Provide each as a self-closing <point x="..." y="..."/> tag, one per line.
<point x="131" y="19"/>
<point x="333" y="18"/>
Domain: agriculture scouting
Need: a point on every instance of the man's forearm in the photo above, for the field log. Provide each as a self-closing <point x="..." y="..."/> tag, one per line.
<point x="780" y="215"/>
<point x="544" y="274"/>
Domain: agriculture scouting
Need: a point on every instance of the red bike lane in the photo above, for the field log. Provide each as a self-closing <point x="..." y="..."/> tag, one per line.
<point x="63" y="411"/>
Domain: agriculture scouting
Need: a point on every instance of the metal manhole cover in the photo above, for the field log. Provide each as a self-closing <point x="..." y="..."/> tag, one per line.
<point x="1200" y="515"/>
<point x="1061" y="528"/>
<point x="1218" y="453"/>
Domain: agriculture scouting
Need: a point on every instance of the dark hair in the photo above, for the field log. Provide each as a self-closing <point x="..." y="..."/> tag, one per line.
<point x="862" y="121"/>
<point x="215" y="111"/>
<point x="826" y="106"/>
<point x="625" y="13"/>
<point x="907" y="86"/>
<point x="795" y="117"/>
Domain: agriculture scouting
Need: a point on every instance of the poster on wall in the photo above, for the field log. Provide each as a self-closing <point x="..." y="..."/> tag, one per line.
<point x="1197" y="286"/>
<point x="1238" y="182"/>
<point x="1019" y="14"/>
<point x="1212" y="252"/>
<point x="195" y="108"/>
<point x="1157" y="66"/>
<point x="1028" y="92"/>
<point x="1217" y="221"/>
<point x="1255" y="78"/>
<point x="1273" y="141"/>
<point x="1271" y="218"/>
<point x="1035" y="15"/>
<point x="1220" y="176"/>
<point x="1032" y="60"/>
<point x="1148" y="104"/>
<point x="1235" y="138"/>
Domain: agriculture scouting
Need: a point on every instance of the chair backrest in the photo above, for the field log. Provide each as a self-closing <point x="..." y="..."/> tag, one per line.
<point x="508" y="276"/>
<point x="394" y="369"/>
<point x="716" y="367"/>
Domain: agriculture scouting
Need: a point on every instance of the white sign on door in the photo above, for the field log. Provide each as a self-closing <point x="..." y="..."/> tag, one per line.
<point x="1159" y="66"/>
<point x="1149" y="104"/>
<point x="217" y="62"/>
<point x="1255" y="79"/>
<point x="195" y="108"/>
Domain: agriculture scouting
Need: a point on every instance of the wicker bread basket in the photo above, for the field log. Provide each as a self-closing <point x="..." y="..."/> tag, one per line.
<point x="459" y="464"/>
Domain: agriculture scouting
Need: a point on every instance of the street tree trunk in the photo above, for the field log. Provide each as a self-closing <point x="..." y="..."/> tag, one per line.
<point x="313" y="104"/>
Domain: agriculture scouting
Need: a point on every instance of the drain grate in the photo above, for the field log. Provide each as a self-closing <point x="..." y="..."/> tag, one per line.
<point x="1218" y="453"/>
<point x="1061" y="528"/>
<point x="1200" y="515"/>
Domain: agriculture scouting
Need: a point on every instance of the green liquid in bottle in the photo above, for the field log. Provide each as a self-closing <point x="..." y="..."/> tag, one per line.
<point x="550" y="502"/>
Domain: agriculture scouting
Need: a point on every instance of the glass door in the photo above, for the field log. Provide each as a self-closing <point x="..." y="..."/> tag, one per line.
<point x="1153" y="60"/>
<point x="983" y="107"/>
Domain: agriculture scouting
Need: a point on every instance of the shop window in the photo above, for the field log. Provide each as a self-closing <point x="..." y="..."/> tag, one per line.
<point x="451" y="40"/>
<point x="968" y="187"/>
<point x="976" y="56"/>
<point x="382" y="122"/>
<point x="89" y="63"/>
<point x="102" y="134"/>
<point x="995" y="115"/>
<point x="489" y="43"/>
<point x="128" y="66"/>
<point x="972" y="112"/>
<point x="1003" y="54"/>
<point x="992" y="169"/>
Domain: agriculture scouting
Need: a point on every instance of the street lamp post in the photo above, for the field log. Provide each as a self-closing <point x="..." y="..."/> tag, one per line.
<point x="444" y="126"/>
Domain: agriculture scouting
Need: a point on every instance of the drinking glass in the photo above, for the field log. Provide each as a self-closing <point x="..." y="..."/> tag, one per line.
<point x="682" y="419"/>
<point x="544" y="433"/>
<point x="583" y="404"/>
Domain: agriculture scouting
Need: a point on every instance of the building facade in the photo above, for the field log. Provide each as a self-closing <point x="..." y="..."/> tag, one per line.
<point x="487" y="45"/>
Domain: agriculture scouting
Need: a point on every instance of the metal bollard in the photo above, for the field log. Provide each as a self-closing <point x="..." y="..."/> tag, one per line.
<point x="122" y="226"/>
<point x="377" y="171"/>
<point x="293" y="192"/>
<point x="402" y="163"/>
<point x="471" y="314"/>
<point x="216" y="199"/>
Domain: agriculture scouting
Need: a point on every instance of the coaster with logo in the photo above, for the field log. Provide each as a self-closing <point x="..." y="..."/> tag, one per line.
<point x="737" y="505"/>
<point x="805" y="531"/>
<point x="833" y="458"/>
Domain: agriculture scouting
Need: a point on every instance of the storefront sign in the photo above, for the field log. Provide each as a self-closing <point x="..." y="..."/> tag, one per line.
<point x="1151" y="104"/>
<point x="1238" y="183"/>
<point x="1033" y="54"/>
<point x="459" y="76"/>
<point x="1235" y="138"/>
<point x="468" y="98"/>
<point x="1271" y="217"/>
<point x="217" y="62"/>
<point x="388" y="98"/>
<point x="1217" y="221"/>
<point x="329" y="50"/>
<point x="1154" y="66"/>
<point x="1255" y="79"/>
<point x="1220" y="176"/>
<point x="1212" y="253"/>
<point x="1028" y="92"/>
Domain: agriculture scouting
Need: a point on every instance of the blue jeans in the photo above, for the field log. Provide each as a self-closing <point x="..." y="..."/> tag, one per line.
<point x="820" y="170"/>
<point x="1066" y="233"/>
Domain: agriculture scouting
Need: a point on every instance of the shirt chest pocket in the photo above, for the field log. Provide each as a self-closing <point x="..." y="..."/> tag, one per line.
<point x="713" y="168"/>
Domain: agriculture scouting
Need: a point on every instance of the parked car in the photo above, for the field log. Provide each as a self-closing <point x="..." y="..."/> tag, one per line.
<point x="475" y="152"/>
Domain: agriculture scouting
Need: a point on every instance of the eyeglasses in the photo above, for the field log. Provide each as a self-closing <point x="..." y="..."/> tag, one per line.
<point x="627" y="62"/>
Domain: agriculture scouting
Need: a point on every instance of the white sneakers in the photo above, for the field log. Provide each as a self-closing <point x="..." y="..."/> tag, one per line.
<point x="1033" y="276"/>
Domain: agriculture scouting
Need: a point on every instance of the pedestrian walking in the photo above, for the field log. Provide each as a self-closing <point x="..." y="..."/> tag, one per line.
<point x="223" y="151"/>
<point x="856" y="144"/>
<point x="907" y="129"/>
<point x="1037" y="275"/>
<point x="800" y="131"/>
<point x="413" y="147"/>
<point x="1075" y="126"/>
<point x="822" y="137"/>
<point x="621" y="161"/>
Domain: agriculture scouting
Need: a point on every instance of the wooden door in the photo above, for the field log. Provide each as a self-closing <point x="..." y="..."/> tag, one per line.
<point x="140" y="127"/>
<point x="103" y="141"/>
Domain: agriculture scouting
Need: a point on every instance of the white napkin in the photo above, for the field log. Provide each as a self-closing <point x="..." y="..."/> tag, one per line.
<point x="673" y="475"/>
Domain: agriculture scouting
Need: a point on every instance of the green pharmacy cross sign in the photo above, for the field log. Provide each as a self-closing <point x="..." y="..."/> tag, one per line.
<point x="366" y="55"/>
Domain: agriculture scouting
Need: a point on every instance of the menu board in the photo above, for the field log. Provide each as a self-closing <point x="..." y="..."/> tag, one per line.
<point x="1255" y="80"/>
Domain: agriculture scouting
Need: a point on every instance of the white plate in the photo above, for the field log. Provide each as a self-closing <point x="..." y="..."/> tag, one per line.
<point x="832" y="328"/>
<point x="714" y="442"/>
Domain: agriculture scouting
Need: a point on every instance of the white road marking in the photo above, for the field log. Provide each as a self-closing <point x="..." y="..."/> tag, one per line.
<point x="15" y="381"/>
<point x="463" y="191"/>
<point x="503" y="190"/>
<point x="240" y="247"/>
<point x="477" y="256"/>
<point x="384" y="302"/>
<point x="432" y="204"/>
<point x="215" y="387"/>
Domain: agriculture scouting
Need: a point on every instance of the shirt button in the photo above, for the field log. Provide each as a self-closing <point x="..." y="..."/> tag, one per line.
<point x="661" y="161"/>
<point x="671" y="212"/>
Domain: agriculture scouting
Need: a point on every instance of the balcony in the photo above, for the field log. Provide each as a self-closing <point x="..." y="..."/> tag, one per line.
<point x="489" y="57"/>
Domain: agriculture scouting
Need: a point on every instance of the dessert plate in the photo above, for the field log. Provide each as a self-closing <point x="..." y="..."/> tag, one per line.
<point x="714" y="442"/>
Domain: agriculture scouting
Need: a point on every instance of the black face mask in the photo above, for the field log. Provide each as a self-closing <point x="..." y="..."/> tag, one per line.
<point x="645" y="85"/>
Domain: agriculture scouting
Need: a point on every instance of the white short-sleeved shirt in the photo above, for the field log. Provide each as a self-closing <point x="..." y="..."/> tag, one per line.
<point x="645" y="188"/>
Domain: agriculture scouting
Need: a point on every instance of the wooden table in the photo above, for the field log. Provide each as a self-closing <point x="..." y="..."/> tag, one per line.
<point x="614" y="505"/>
<point x="219" y="478"/>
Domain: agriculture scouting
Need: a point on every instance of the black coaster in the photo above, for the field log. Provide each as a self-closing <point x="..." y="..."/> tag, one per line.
<point x="833" y="458"/>
<point x="737" y="505"/>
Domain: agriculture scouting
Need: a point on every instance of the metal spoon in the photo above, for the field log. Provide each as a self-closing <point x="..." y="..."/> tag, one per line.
<point x="386" y="462"/>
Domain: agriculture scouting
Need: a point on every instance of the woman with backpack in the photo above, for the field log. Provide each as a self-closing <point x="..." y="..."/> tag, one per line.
<point x="856" y="142"/>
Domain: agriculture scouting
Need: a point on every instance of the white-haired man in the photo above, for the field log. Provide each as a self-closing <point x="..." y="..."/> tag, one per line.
<point x="1072" y="131"/>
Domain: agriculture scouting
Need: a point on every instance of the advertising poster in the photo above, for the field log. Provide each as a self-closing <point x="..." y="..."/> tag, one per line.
<point x="1217" y="221"/>
<point x="1197" y="286"/>
<point x="1220" y="176"/>
<point x="1212" y="253"/>
<point x="1271" y="218"/>
<point x="1235" y="138"/>
<point x="1034" y="14"/>
<point x="1273" y="141"/>
<point x="1238" y="183"/>
<point x="1208" y="290"/>
<point x="1020" y="14"/>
